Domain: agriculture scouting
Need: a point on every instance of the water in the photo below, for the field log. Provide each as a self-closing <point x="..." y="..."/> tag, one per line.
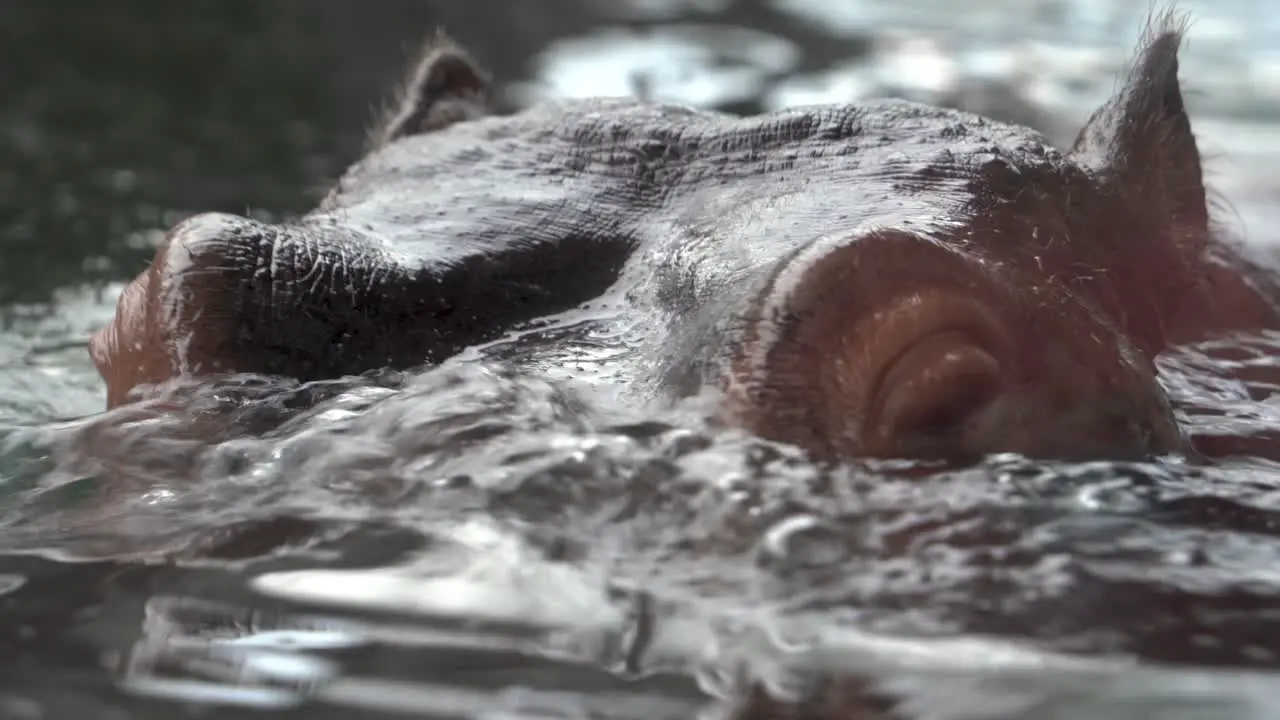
<point x="472" y="543"/>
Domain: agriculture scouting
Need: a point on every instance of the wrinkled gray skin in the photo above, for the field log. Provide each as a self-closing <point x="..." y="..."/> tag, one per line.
<point x="759" y="256"/>
<point x="667" y="217"/>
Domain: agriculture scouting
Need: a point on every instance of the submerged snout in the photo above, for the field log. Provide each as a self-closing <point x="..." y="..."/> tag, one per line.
<point x="165" y="315"/>
<point x="123" y="350"/>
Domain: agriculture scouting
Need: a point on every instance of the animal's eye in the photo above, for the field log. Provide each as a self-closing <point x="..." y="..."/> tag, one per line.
<point x="932" y="387"/>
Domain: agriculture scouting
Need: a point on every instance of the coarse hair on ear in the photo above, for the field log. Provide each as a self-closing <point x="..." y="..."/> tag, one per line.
<point x="1141" y="138"/>
<point x="444" y="86"/>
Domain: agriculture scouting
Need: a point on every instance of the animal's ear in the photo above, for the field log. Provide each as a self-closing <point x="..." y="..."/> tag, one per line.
<point x="445" y="86"/>
<point x="1141" y="139"/>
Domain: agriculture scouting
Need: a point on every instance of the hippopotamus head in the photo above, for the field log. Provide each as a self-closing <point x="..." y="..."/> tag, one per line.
<point x="884" y="279"/>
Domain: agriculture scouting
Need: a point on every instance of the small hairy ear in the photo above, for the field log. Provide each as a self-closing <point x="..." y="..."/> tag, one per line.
<point x="445" y="86"/>
<point x="1141" y="138"/>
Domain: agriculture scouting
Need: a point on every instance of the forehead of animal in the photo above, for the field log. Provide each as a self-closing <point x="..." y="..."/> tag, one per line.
<point x="703" y="198"/>
<point x="644" y="154"/>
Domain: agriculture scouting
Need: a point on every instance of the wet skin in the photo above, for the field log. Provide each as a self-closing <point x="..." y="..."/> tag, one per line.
<point x="879" y="279"/>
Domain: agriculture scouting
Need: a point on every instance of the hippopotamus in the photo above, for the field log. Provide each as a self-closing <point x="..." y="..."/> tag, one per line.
<point x="862" y="280"/>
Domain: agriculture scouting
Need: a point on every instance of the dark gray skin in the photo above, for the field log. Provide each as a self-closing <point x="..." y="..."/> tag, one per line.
<point x="880" y="279"/>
